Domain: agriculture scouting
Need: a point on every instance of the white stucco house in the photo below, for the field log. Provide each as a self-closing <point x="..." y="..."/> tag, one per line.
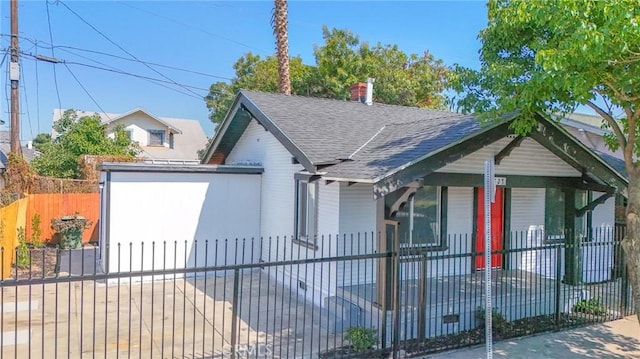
<point x="341" y="168"/>
<point x="162" y="139"/>
<point x="328" y="178"/>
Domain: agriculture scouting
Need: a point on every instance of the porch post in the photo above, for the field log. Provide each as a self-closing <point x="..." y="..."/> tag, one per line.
<point x="572" y="253"/>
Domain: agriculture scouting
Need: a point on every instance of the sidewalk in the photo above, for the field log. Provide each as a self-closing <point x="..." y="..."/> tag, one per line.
<point x="617" y="339"/>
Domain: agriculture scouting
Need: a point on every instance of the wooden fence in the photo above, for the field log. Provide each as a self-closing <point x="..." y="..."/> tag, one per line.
<point x="22" y="214"/>
<point x="12" y="217"/>
<point x="54" y="205"/>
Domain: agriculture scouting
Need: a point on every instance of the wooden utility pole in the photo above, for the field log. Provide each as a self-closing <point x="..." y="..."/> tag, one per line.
<point x="14" y="74"/>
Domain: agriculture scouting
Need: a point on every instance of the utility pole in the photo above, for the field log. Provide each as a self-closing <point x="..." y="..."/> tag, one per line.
<point x="14" y="74"/>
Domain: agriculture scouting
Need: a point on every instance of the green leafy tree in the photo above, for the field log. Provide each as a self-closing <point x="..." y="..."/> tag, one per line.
<point x="41" y="141"/>
<point x="341" y="61"/>
<point x="547" y="57"/>
<point x="253" y="73"/>
<point x="78" y="137"/>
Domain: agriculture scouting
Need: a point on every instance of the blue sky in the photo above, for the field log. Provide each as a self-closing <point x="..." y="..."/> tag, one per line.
<point x="199" y="36"/>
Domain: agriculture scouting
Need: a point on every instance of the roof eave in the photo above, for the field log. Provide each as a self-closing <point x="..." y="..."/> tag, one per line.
<point x="222" y="129"/>
<point x="140" y="109"/>
<point x="395" y="178"/>
<point x="243" y="101"/>
<point x="556" y="125"/>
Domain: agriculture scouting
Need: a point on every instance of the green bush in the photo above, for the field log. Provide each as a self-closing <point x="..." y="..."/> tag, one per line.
<point x="22" y="260"/>
<point x="590" y="306"/>
<point x="36" y="232"/>
<point x="361" y="338"/>
<point x="499" y="323"/>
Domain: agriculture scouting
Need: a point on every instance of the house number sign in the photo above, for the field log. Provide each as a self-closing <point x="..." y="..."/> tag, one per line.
<point x="500" y="181"/>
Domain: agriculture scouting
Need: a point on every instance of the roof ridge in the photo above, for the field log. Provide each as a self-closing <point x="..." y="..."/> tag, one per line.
<point x="452" y="115"/>
<point x="367" y="142"/>
<point x="378" y="104"/>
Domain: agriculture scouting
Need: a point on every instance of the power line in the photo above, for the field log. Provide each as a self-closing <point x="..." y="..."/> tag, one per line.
<point x="142" y="62"/>
<point x="55" y="75"/>
<point x="115" y="70"/>
<point x="188" y="87"/>
<point x="86" y="91"/>
<point x="26" y="100"/>
<point x="193" y="27"/>
<point x="121" y="48"/>
<point x="6" y="81"/>
<point x="37" y="91"/>
<point x="153" y="81"/>
<point x="63" y="47"/>
<point x="6" y="51"/>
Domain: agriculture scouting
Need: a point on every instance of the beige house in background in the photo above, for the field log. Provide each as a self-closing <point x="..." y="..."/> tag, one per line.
<point x="162" y="139"/>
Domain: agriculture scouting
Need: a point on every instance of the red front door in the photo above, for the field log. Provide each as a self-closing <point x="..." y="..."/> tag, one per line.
<point x="497" y="220"/>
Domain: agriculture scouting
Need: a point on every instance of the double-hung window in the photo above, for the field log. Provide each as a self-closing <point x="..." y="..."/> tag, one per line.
<point x="554" y="213"/>
<point x="156" y="138"/>
<point x="306" y="204"/>
<point x="422" y="220"/>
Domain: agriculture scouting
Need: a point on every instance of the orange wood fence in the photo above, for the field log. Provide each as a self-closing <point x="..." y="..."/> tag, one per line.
<point x="11" y="218"/>
<point x="53" y="205"/>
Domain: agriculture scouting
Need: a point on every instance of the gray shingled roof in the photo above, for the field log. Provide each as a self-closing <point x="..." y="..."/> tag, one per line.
<point x="350" y="141"/>
<point x="375" y="138"/>
<point x="615" y="162"/>
<point x="399" y="144"/>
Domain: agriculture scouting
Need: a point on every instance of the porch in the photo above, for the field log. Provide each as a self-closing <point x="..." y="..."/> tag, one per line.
<point x="454" y="304"/>
<point x="442" y="294"/>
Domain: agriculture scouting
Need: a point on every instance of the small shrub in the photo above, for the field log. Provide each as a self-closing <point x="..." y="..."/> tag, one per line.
<point x="22" y="260"/>
<point x="361" y="339"/>
<point x="499" y="323"/>
<point x="36" y="232"/>
<point x="590" y="306"/>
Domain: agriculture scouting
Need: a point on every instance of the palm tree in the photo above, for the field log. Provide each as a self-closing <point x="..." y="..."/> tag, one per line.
<point x="279" y="24"/>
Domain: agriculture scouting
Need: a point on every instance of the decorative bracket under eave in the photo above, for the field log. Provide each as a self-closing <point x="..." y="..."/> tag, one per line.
<point x="593" y="204"/>
<point x="506" y="151"/>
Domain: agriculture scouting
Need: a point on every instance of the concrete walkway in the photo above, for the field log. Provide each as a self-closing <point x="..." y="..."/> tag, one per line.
<point x="617" y="339"/>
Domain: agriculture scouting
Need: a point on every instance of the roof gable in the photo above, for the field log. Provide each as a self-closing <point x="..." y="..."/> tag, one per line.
<point x="123" y="117"/>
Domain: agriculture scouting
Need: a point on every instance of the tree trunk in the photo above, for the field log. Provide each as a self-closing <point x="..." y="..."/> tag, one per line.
<point x="631" y="242"/>
<point x="282" y="45"/>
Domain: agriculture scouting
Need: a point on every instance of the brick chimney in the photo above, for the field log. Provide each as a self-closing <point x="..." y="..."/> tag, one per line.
<point x="359" y="92"/>
<point x="363" y="91"/>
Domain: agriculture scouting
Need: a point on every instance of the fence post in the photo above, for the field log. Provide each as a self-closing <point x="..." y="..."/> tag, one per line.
<point x="558" y="269"/>
<point x="234" y="312"/>
<point x="396" y="299"/>
<point x="422" y="300"/>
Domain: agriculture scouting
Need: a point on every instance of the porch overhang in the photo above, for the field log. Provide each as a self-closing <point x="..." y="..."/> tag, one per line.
<point x="558" y="141"/>
<point x="596" y="174"/>
<point x="431" y="162"/>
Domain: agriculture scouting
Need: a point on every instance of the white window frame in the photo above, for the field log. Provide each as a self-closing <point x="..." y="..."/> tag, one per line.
<point x="306" y="209"/>
<point x="438" y="232"/>
<point x="157" y="132"/>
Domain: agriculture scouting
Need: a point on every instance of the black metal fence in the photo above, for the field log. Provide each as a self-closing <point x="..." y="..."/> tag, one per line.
<point x="272" y="297"/>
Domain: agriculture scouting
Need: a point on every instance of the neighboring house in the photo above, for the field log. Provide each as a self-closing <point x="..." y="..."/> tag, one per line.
<point x="335" y="167"/>
<point x="5" y="147"/>
<point x="162" y="139"/>
<point x="586" y="128"/>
